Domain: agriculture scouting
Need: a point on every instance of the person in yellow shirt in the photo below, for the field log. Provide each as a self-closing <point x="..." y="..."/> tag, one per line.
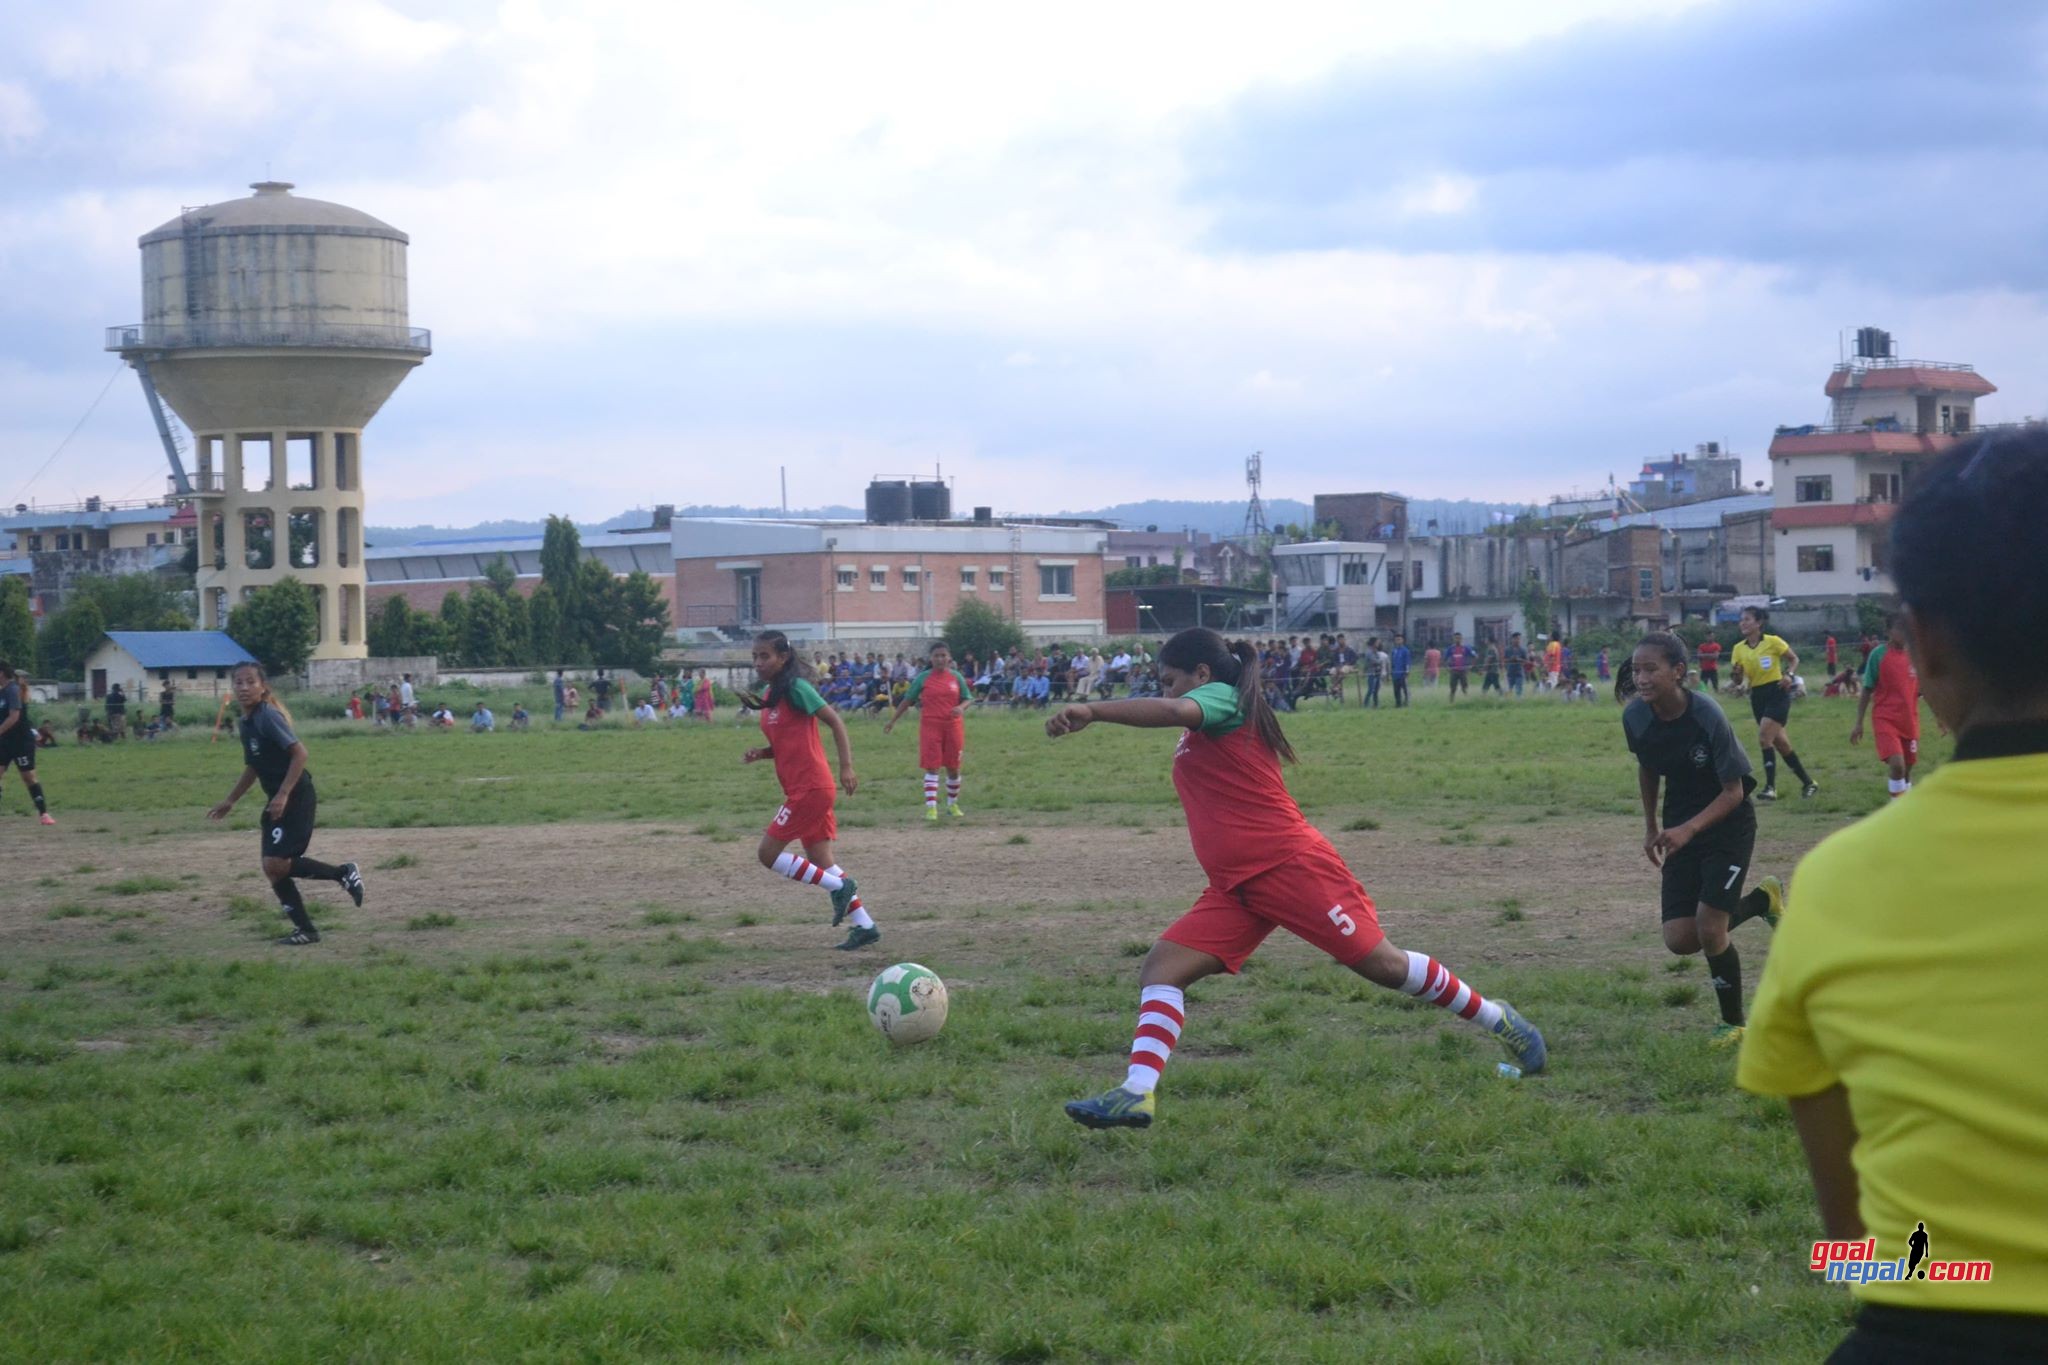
<point x="1763" y="665"/>
<point x="1902" y="1008"/>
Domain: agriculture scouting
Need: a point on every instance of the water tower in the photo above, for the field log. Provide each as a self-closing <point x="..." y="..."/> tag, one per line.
<point x="275" y="327"/>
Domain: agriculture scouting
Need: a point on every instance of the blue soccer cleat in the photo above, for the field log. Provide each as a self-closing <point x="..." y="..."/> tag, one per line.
<point x="1118" y="1108"/>
<point x="1522" y="1039"/>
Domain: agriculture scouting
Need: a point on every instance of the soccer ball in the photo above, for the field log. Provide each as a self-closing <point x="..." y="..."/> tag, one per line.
<point x="908" y="1003"/>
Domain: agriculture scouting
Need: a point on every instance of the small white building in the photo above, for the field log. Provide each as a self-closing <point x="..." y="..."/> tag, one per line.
<point x="196" y="662"/>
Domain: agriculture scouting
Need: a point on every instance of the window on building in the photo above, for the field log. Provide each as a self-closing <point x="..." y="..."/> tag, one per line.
<point x="878" y="578"/>
<point x="35" y="544"/>
<point x="967" y="576"/>
<point x="843" y="577"/>
<point x="1395" y="576"/>
<point x="1884" y="487"/>
<point x="1646" y="584"/>
<point x="1055" y="580"/>
<point x="64" y="541"/>
<point x="149" y="538"/>
<point x="913" y="578"/>
<point x="1814" y="488"/>
<point x="1415" y="576"/>
<point x="1134" y="561"/>
<point x="191" y="675"/>
<point x="1816" y="559"/>
<point x="998" y="579"/>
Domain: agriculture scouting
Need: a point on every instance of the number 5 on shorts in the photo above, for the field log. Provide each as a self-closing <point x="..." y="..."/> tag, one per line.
<point x="1345" y="925"/>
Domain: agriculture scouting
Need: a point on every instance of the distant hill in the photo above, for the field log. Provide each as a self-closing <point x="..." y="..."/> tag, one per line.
<point x="1216" y="518"/>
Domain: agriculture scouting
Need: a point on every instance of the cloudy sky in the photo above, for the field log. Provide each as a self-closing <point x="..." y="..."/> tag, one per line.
<point x="1071" y="253"/>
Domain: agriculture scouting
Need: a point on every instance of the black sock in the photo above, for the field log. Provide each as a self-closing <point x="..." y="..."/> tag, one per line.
<point x="294" y="906"/>
<point x="1770" y="767"/>
<point x="35" y="792"/>
<point x="1726" y="970"/>
<point x="1754" y="903"/>
<point x="318" y="871"/>
<point x="1792" y="761"/>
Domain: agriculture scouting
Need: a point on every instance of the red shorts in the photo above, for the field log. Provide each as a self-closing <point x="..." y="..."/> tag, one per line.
<point x="939" y="746"/>
<point x="1893" y="741"/>
<point x="806" y="817"/>
<point x="1312" y="896"/>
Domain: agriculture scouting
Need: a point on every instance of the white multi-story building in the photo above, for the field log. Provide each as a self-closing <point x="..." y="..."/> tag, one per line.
<point x="1836" y="483"/>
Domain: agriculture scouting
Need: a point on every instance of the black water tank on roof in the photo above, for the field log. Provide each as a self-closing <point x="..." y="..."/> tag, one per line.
<point x="888" y="501"/>
<point x="931" y="500"/>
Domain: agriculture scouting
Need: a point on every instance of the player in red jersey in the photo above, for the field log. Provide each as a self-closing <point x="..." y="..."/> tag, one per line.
<point x="941" y="733"/>
<point x="1268" y="868"/>
<point x="1891" y="697"/>
<point x="791" y="711"/>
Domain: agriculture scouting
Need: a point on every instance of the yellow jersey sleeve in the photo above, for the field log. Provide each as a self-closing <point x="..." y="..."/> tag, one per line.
<point x="1780" y="1055"/>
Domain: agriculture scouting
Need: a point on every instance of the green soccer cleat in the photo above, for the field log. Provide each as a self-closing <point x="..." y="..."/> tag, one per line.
<point x="1522" y="1039"/>
<point x="953" y="809"/>
<point x="842" y="900"/>
<point x="1725" y="1036"/>
<point x="931" y="815"/>
<point x="857" y="938"/>
<point x="1773" y="892"/>
<point x="1118" y="1108"/>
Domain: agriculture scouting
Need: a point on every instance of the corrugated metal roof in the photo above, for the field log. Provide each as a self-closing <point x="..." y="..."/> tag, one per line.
<point x="1691" y="516"/>
<point x="181" y="648"/>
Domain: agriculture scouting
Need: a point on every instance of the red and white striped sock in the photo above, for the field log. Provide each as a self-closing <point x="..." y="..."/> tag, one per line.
<point x="798" y="868"/>
<point x="1161" y="1012"/>
<point x="855" y="911"/>
<point x="952" y="791"/>
<point x="931" y="791"/>
<point x="1433" y="983"/>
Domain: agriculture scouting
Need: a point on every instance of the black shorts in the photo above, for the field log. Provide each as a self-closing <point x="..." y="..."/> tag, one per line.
<point x="1772" y="701"/>
<point x="18" y="748"/>
<point x="1710" y="870"/>
<point x="291" y="834"/>
<point x="1888" y="1335"/>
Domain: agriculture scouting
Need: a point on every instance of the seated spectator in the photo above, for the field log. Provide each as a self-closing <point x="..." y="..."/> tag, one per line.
<point x="646" y="711"/>
<point x="46" y="736"/>
<point x="593" y="718"/>
<point x="444" y="717"/>
<point x="521" y="718"/>
<point x="481" y="720"/>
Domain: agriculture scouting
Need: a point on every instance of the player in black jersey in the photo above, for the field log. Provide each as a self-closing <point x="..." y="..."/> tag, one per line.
<point x="18" y="737"/>
<point x="274" y="756"/>
<point x="1682" y="740"/>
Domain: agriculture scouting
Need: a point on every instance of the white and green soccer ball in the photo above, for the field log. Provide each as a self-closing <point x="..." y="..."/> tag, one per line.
<point x="908" y="1003"/>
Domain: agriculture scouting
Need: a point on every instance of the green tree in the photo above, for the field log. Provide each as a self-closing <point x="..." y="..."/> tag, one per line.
<point x="17" y="623"/>
<point x="455" y="629"/>
<point x="544" y="625"/>
<point x="278" y="624"/>
<point x="134" y="601"/>
<point x="561" y="570"/>
<point x="638" y="623"/>
<point x="487" y="638"/>
<point x="68" y="638"/>
<point x="393" y="634"/>
<point x="977" y="628"/>
<point x="1149" y="576"/>
<point x="588" y="614"/>
<point x="518" y="629"/>
<point x="1536" y="606"/>
<point x="500" y="577"/>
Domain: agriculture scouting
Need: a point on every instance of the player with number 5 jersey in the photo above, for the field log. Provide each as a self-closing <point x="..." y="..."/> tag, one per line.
<point x="1268" y="869"/>
<point x="274" y="756"/>
<point x="791" y="712"/>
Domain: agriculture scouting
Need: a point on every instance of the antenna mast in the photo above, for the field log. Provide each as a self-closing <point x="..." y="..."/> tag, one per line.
<point x="1255" y="510"/>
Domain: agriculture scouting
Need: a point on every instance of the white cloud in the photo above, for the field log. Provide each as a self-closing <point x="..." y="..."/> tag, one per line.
<point x="21" y="118"/>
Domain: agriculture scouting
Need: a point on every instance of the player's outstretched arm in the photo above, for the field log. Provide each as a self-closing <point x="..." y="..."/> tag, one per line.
<point x="1145" y="713"/>
<point x="242" y="785"/>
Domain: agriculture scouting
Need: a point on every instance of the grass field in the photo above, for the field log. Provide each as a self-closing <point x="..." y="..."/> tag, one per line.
<point x="581" y="1081"/>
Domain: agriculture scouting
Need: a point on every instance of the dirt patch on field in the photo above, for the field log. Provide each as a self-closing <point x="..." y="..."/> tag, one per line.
<point x="1559" y="891"/>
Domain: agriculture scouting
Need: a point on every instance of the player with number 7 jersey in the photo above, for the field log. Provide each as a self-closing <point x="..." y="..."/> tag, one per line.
<point x="1268" y="869"/>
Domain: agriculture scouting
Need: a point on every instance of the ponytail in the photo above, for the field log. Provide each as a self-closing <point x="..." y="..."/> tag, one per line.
<point x="1235" y="665"/>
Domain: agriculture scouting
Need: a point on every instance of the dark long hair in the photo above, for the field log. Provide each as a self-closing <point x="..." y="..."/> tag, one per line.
<point x="269" y="698"/>
<point x="793" y="667"/>
<point x="1665" y="643"/>
<point x="1968" y="521"/>
<point x="1235" y="665"/>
